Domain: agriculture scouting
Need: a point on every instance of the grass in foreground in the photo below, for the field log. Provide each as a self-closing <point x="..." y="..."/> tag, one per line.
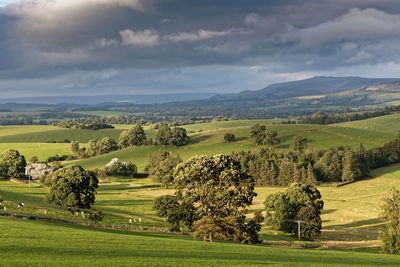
<point x="56" y="244"/>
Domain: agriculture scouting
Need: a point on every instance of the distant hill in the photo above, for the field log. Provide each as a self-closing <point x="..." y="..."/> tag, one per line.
<point x="321" y="85"/>
<point x="98" y="99"/>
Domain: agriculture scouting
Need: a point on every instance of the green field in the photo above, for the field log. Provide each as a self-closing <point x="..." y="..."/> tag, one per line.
<point x="384" y="124"/>
<point x="207" y="138"/>
<point x="350" y="216"/>
<point x="350" y="220"/>
<point x="36" y="243"/>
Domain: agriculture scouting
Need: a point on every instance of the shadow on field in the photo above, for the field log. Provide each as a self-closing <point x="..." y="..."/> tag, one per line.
<point x="328" y="211"/>
<point x="358" y="223"/>
<point x="23" y="197"/>
<point x="194" y="139"/>
<point x="115" y="231"/>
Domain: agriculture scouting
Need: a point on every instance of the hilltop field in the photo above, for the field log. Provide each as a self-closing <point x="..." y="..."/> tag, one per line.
<point x="350" y="217"/>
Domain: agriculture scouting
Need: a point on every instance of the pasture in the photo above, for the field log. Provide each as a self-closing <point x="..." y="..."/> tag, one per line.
<point x="38" y="243"/>
<point x="350" y="216"/>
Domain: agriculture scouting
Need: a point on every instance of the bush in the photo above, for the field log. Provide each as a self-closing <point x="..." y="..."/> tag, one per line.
<point x="229" y="137"/>
<point x="122" y="169"/>
<point x="96" y="215"/>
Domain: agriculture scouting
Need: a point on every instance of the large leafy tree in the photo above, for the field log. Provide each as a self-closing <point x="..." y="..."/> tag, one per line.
<point x="299" y="202"/>
<point x="72" y="186"/>
<point x="163" y="135"/>
<point x="132" y="137"/>
<point x="106" y="145"/>
<point x="12" y="164"/>
<point x="176" y="136"/>
<point x="216" y="185"/>
<point x="214" y="190"/>
<point x="179" y="137"/>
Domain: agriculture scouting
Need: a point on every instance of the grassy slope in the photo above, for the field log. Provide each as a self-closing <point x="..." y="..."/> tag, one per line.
<point x="208" y="140"/>
<point x="84" y="246"/>
<point x="385" y="124"/>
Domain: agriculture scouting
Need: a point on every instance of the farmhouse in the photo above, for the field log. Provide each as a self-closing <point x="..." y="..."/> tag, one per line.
<point x="36" y="170"/>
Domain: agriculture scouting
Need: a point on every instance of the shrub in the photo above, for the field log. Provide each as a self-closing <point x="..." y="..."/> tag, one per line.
<point x="229" y="137"/>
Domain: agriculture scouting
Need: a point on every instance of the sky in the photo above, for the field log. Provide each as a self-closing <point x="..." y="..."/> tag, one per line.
<point x="96" y="47"/>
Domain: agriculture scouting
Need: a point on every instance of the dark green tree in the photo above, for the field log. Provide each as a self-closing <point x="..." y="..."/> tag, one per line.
<point x="132" y="137"/>
<point x="96" y="215"/>
<point x="176" y="136"/>
<point x="390" y="237"/>
<point x="271" y="138"/>
<point x="161" y="166"/>
<point x="229" y="137"/>
<point x="351" y="170"/>
<point x="177" y="213"/>
<point x="216" y="187"/>
<point x="283" y="208"/>
<point x="92" y="149"/>
<point x="163" y="136"/>
<point x="179" y="137"/>
<point x="299" y="143"/>
<point x="72" y="186"/>
<point x="12" y="164"/>
<point x="258" y="134"/>
<point x="122" y="169"/>
<point x="106" y="145"/>
<point x="74" y="148"/>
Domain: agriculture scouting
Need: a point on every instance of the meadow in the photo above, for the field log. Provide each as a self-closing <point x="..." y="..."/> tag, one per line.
<point x="37" y="243"/>
<point x="350" y="217"/>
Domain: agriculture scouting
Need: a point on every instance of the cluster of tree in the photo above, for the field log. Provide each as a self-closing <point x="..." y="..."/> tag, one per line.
<point x="73" y="124"/>
<point x="121" y="119"/>
<point x="321" y="117"/>
<point x="340" y="164"/>
<point x="390" y="237"/>
<point x="12" y="164"/>
<point x="160" y="167"/>
<point x="211" y="199"/>
<point x="262" y="136"/>
<point x="176" y="136"/>
<point x="96" y="147"/>
<point x="298" y="204"/>
<point x="271" y="167"/>
<point x="179" y="122"/>
<point x="135" y="136"/>
<point x="121" y="169"/>
<point x="72" y="186"/>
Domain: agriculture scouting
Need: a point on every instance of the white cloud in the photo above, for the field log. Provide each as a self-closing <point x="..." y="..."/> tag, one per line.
<point x="356" y="24"/>
<point x="104" y="43"/>
<point x="199" y="35"/>
<point x="30" y="5"/>
<point x="139" y="38"/>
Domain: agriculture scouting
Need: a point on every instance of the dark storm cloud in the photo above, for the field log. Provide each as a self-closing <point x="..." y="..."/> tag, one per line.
<point x="70" y="43"/>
